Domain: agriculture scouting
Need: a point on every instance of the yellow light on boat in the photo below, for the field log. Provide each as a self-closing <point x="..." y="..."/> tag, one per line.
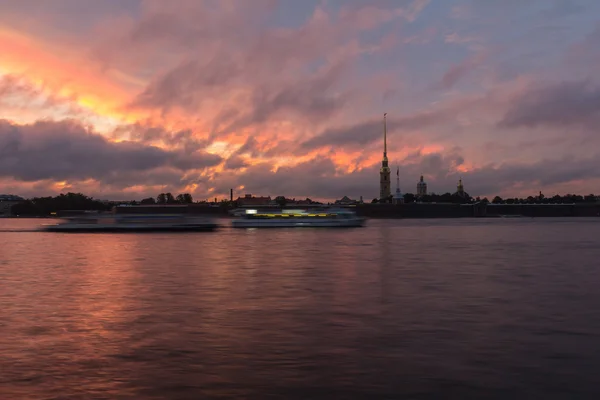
<point x="251" y="211"/>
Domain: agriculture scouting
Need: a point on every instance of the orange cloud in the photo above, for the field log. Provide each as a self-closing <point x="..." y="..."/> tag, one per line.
<point x="64" y="74"/>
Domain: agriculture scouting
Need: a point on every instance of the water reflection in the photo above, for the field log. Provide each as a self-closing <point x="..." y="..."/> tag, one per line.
<point x="417" y="309"/>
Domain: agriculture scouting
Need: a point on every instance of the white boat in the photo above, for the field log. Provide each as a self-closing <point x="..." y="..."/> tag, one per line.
<point x="320" y="218"/>
<point x="110" y="222"/>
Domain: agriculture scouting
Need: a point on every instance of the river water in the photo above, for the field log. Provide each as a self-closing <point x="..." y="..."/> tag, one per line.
<point x="506" y="308"/>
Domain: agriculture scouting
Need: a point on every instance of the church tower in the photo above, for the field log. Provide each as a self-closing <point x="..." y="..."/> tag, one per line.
<point x="460" y="189"/>
<point x="421" y="187"/>
<point x="384" y="172"/>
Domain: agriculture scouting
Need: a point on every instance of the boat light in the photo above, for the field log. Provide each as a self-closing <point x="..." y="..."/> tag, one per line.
<point x="251" y="211"/>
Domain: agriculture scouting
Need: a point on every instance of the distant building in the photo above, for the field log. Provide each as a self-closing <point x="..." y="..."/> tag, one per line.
<point x="461" y="193"/>
<point x="346" y="201"/>
<point x="460" y="189"/>
<point x="10" y="197"/>
<point x="421" y="187"/>
<point x="7" y="201"/>
<point x="304" y="202"/>
<point x="249" y="200"/>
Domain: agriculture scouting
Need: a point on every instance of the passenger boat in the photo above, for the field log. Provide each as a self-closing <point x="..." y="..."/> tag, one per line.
<point x="132" y="222"/>
<point x="325" y="218"/>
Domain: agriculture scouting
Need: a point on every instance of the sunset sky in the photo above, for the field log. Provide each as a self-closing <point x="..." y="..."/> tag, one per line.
<point x="124" y="99"/>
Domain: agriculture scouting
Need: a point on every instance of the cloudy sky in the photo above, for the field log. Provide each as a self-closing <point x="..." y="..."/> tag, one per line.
<point x="123" y="99"/>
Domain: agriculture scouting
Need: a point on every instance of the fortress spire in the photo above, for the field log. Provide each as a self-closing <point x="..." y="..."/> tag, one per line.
<point x="384" y="172"/>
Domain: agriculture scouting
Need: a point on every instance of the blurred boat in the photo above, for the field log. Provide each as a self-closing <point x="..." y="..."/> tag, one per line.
<point x="298" y="218"/>
<point x="132" y="222"/>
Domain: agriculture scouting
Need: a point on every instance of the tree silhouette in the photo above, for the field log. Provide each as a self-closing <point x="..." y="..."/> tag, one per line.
<point x="184" y="198"/>
<point x="281" y="200"/>
<point x="409" y="198"/>
<point x="42" y="206"/>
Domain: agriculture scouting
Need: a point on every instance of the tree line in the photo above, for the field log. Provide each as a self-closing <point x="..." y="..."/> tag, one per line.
<point x="44" y="206"/>
<point x="541" y="199"/>
<point x="167" y="198"/>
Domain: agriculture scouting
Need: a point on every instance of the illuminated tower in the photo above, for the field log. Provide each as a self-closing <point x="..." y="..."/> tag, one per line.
<point x="384" y="172"/>
<point x="398" y="198"/>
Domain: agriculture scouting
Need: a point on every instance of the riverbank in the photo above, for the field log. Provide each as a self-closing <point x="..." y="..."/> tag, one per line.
<point x="394" y="211"/>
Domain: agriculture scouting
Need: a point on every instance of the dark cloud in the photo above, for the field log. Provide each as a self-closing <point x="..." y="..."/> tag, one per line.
<point x="185" y="140"/>
<point x="249" y="147"/>
<point x="367" y="132"/>
<point x="235" y="162"/>
<point x="188" y="84"/>
<point x="191" y="27"/>
<point x="55" y="151"/>
<point x="563" y="104"/>
<point x="541" y="175"/>
<point x="310" y="99"/>
<point x="68" y="151"/>
<point x="161" y="176"/>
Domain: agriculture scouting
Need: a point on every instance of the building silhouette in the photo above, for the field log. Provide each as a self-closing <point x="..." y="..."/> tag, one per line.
<point x="7" y="201"/>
